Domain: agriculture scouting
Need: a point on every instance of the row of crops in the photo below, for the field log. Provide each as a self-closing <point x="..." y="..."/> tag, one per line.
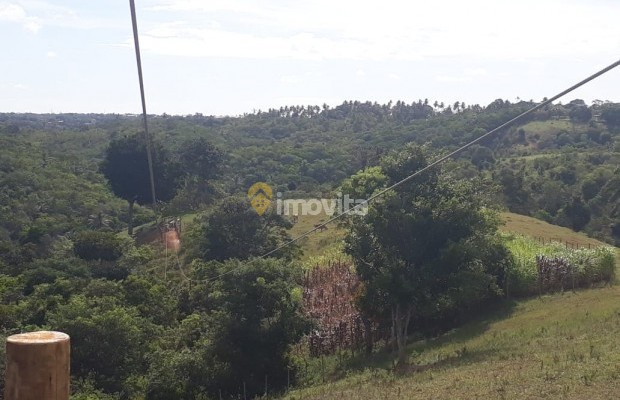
<point x="542" y="268"/>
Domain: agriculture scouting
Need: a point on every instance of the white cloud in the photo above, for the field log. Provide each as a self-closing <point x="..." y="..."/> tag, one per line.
<point x="306" y="51"/>
<point x="208" y="6"/>
<point x="181" y="39"/>
<point x="32" y="26"/>
<point x="33" y="15"/>
<point x="15" y="13"/>
<point x="51" y="54"/>
<point x="387" y="30"/>
<point x="11" y="12"/>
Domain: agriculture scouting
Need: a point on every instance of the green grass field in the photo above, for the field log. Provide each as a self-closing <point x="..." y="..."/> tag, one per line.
<point x="550" y="127"/>
<point x="536" y="228"/>
<point x="560" y="346"/>
<point x="318" y="242"/>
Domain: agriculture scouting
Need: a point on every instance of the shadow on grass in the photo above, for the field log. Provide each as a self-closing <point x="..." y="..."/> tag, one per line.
<point x="339" y="366"/>
<point x="458" y="358"/>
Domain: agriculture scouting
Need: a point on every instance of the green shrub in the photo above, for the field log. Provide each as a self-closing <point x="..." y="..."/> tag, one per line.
<point x="95" y="245"/>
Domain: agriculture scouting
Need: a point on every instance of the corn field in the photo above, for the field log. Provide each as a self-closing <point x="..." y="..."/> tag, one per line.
<point x="329" y="299"/>
<point x="541" y="268"/>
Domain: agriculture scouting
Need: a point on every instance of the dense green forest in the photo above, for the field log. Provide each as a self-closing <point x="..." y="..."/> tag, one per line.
<point x="216" y="319"/>
<point x="560" y="163"/>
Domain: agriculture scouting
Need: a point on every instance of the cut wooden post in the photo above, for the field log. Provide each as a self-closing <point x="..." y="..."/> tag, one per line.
<point x="37" y="366"/>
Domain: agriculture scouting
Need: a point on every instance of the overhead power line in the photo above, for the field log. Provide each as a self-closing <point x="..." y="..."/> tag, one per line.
<point x="447" y="156"/>
<point x="426" y="168"/>
<point x="147" y="137"/>
<point x="431" y="165"/>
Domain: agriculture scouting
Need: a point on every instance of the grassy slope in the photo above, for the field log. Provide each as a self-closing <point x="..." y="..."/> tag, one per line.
<point x="317" y="242"/>
<point x="557" y="346"/>
<point x="540" y="229"/>
<point x="314" y="244"/>
<point x="560" y="346"/>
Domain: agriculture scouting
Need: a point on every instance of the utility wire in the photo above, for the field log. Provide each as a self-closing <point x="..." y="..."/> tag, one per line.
<point x="434" y="163"/>
<point x="444" y="158"/>
<point x="149" y="144"/>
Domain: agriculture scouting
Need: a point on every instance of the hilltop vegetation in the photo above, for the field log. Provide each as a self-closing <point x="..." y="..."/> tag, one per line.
<point x="559" y="166"/>
<point x="71" y="185"/>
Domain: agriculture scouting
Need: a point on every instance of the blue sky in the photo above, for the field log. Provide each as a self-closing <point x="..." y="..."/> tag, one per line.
<point x="226" y="57"/>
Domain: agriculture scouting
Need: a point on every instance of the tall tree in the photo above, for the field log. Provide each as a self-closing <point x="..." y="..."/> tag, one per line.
<point x="420" y="244"/>
<point x="200" y="158"/>
<point x="611" y="115"/>
<point x="125" y="165"/>
<point x="201" y="163"/>
<point x="580" y="113"/>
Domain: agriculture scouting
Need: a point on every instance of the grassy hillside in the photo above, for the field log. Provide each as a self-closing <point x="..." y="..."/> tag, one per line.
<point x="542" y="230"/>
<point x="318" y="242"/>
<point x="315" y="244"/>
<point x="559" y="346"/>
<point x="555" y="346"/>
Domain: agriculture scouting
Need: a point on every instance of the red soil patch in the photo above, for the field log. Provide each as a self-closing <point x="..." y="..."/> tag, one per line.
<point x="172" y="240"/>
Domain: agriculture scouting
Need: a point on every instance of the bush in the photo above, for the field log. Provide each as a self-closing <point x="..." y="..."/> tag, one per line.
<point x="242" y="329"/>
<point x="94" y="245"/>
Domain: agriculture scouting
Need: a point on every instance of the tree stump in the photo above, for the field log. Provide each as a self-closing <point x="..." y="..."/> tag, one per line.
<point x="37" y="366"/>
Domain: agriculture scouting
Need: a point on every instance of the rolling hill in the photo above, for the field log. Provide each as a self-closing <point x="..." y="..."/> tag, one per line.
<point x="564" y="345"/>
